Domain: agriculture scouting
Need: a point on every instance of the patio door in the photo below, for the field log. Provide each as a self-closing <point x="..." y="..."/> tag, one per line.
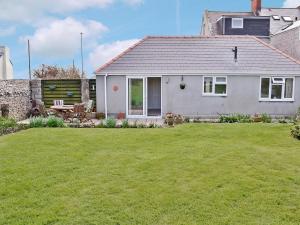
<point x="144" y="97"/>
<point x="136" y="97"/>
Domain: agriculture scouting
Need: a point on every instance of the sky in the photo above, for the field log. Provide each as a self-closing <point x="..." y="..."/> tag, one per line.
<point x="108" y="26"/>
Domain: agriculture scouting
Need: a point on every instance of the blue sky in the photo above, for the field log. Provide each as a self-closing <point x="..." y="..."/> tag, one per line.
<point x="109" y="26"/>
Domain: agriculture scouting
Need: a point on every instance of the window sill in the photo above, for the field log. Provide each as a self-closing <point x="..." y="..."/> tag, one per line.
<point x="276" y="100"/>
<point x="214" y="95"/>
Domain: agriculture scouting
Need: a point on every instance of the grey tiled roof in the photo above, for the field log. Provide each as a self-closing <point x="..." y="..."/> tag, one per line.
<point x="201" y="55"/>
<point x="278" y="25"/>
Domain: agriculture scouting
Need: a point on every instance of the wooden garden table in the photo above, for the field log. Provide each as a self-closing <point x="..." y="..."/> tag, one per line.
<point x="63" y="110"/>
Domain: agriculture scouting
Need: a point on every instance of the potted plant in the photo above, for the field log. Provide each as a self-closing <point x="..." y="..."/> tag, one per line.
<point x="178" y="119"/>
<point x="121" y="116"/>
<point x="169" y="119"/>
<point x="257" y="118"/>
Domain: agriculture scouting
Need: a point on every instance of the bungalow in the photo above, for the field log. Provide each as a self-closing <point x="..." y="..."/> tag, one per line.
<point x="199" y="76"/>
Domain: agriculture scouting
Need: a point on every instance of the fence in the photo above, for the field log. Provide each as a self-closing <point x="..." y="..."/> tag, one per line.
<point x="16" y="95"/>
<point x="68" y="90"/>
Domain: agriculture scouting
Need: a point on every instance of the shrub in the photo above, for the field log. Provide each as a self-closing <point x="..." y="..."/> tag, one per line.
<point x="10" y="130"/>
<point x="9" y="125"/>
<point x="52" y="121"/>
<point x="228" y="119"/>
<point x="125" y="124"/>
<point x="235" y="118"/>
<point x="295" y="131"/>
<point x="55" y="122"/>
<point x="7" y="122"/>
<point x="266" y="118"/>
<point x="110" y="123"/>
<point x="37" y="122"/>
<point x="244" y="118"/>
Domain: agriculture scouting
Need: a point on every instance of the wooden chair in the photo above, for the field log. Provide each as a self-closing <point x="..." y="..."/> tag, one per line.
<point x="89" y="106"/>
<point x="58" y="102"/>
<point x="79" y="113"/>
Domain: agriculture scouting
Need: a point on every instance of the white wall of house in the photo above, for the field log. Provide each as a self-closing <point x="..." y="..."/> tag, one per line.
<point x="6" y="67"/>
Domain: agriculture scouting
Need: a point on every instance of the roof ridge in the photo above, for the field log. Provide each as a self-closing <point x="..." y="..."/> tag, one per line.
<point x="201" y="36"/>
<point x="120" y="55"/>
<point x="276" y="50"/>
<point x="229" y="11"/>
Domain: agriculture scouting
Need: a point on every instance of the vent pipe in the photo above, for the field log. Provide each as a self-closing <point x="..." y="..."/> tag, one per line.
<point x="235" y="50"/>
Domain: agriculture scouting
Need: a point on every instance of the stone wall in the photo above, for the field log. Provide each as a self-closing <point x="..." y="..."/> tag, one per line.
<point x="16" y="95"/>
<point x="36" y="90"/>
<point x="85" y="92"/>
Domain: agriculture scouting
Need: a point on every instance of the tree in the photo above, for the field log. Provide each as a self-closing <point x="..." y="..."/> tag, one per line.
<point x="55" y="72"/>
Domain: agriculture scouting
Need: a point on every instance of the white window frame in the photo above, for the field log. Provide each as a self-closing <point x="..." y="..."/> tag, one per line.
<point x="145" y="98"/>
<point x="287" y="19"/>
<point x="271" y="79"/>
<point x="214" y="78"/>
<point x="276" y="17"/>
<point x="234" y="26"/>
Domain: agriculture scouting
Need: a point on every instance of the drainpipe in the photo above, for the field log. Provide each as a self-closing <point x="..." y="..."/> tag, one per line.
<point x="105" y="94"/>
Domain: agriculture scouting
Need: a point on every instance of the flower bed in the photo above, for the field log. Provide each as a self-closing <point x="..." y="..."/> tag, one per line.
<point x="8" y="126"/>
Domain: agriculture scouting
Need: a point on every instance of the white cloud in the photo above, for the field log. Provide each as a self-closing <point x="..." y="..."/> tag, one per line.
<point x="29" y="11"/>
<point x="104" y="53"/>
<point x="7" y="31"/>
<point x="291" y="3"/>
<point x="61" y="38"/>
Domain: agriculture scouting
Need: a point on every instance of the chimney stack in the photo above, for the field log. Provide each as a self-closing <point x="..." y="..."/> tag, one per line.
<point x="256" y="6"/>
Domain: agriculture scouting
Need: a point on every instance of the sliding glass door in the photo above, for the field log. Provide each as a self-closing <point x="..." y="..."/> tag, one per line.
<point x="136" y="97"/>
<point x="144" y="97"/>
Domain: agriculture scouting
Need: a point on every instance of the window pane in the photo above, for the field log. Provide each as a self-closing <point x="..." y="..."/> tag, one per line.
<point x="265" y="85"/>
<point x="136" y="102"/>
<point x="276" y="92"/>
<point x="237" y="23"/>
<point x="220" y="89"/>
<point x="221" y="79"/>
<point x="208" y="84"/>
<point x="288" y="92"/>
<point x="277" y="80"/>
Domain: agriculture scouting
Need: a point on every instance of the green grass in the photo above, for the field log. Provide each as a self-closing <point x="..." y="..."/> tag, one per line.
<point x="192" y="174"/>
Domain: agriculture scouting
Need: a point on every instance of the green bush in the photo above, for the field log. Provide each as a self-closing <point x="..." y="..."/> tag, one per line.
<point x="37" y="122"/>
<point x="7" y="122"/>
<point x="266" y="118"/>
<point x="52" y="121"/>
<point x="235" y="118"/>
<point x="9" y="125"/>
<point x="125" y="124"/>
<point x="110" y="123"/>
<point x="296" y="132"/>
<point x="55" y="122"/>
<point x="244" y="118"/>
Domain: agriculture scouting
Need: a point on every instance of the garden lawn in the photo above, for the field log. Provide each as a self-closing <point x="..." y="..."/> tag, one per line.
<point x="192" y="174"/>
